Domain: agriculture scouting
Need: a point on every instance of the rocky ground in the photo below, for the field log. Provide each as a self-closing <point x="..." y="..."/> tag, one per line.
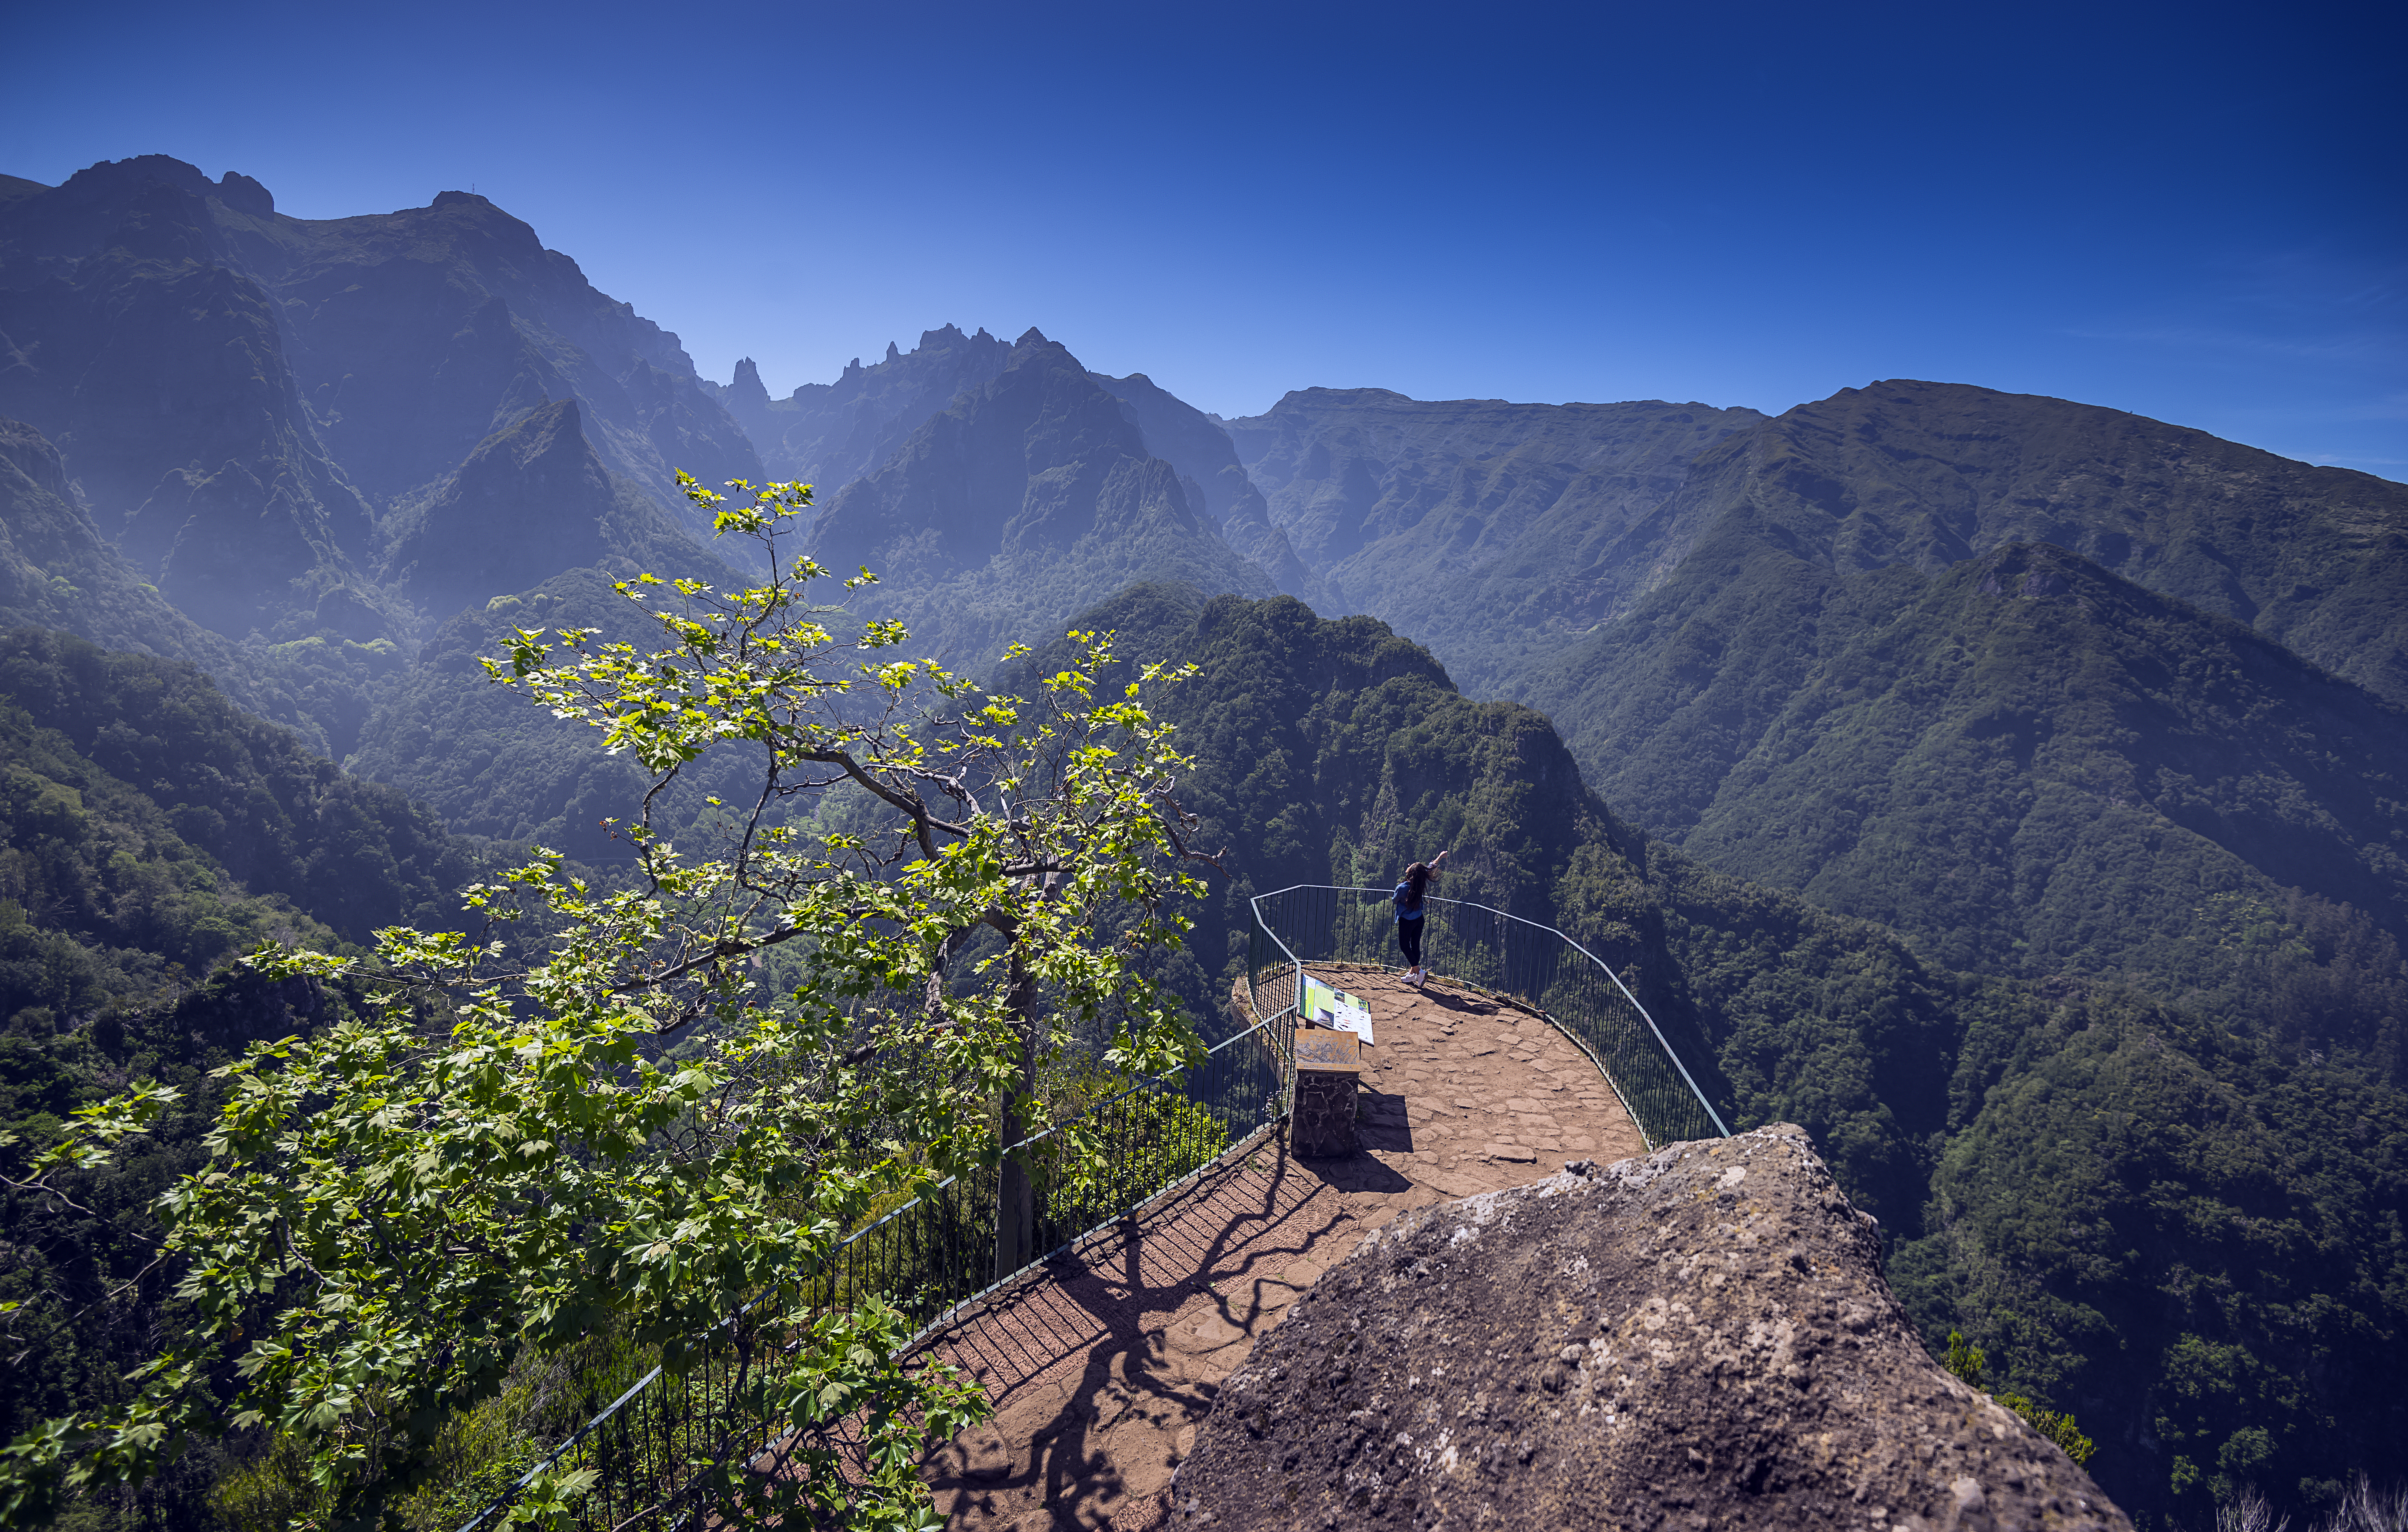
<point x="1697" y="1339"/>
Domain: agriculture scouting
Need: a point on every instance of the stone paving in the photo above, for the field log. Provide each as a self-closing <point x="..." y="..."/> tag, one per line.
<point x="1101" y="1370"/>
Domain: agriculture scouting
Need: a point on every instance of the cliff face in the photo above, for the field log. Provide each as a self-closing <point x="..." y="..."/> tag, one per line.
<point x="1698" y="1338"/>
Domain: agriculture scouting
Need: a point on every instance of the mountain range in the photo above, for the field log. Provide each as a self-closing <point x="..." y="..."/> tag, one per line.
<point x="2008" y="789"/>
<point x="245" y="396"/>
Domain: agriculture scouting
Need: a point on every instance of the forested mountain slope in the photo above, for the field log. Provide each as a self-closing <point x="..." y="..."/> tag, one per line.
<point x="239" y="396"/>
<point x="1492" y="532"/>
<point x="2184" y="1230"/>
<point x="531" y="532"/>
<point x="2024" y="763"/>
<point x="490" y="764"/>
<point x="56" y="571"/>
<point x="1931" y="474"/>
<point x="1031" y="496"/>
<point x="149" y="832"/>
<point x="278" y="820"/>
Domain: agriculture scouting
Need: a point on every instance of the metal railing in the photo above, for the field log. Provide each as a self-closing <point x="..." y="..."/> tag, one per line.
<point x="1537" y="964"/>
<point x="662" y="1447"/>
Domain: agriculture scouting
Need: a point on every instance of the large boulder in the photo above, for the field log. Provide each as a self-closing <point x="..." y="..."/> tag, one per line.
<point x="1698" y="1338"/>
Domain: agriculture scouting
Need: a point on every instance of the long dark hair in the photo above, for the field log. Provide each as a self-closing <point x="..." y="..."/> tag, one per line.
<point x="1418" y="882"/>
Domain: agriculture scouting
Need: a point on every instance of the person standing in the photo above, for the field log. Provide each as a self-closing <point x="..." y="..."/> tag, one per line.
<point x="1407" y="899"/>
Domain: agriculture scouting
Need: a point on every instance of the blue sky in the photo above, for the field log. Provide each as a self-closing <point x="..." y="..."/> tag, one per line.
<point x="2194" y="213"/>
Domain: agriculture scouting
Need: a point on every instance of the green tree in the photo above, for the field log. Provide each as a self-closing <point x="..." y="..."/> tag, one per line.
<point x="634" y="1134"/>
<point x="1967" y="1361"/>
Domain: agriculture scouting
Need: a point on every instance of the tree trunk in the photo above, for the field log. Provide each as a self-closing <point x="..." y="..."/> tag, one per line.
<point x="1015" y="1203"/>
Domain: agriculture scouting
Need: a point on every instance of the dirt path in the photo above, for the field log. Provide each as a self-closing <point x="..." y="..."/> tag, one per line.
<point x="1101" y="1375"/>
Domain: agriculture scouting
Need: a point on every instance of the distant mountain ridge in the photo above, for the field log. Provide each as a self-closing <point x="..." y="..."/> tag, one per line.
<point x="1030" y="497"/>
<point x="2022" y="760"/>
<point x="241" y="397"/>
<point x="1930" y="474"/>
<point x="1485" y="529"/>
<point x="829" y="434"/>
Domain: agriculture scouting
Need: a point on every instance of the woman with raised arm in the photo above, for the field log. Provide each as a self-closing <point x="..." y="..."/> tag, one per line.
<point x="1407" y="899"/>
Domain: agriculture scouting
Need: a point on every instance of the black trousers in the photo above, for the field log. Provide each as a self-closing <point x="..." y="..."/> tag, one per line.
<point x="1409" y="937"/>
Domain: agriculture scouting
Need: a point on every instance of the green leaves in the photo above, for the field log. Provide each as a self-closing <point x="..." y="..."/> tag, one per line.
<point x="637" y="1131"/>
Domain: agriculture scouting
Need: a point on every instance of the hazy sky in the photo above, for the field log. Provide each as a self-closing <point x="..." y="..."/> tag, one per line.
<point x="2196" y="212"/>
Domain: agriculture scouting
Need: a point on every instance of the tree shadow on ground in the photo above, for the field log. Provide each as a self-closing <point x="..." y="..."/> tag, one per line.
<point x="1108" y="1310"/>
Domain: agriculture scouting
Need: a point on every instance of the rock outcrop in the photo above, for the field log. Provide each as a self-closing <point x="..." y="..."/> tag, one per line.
<point x="1702" y="1338"/>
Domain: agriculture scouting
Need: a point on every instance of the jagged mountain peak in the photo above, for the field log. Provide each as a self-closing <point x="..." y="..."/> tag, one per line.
<point x="117" y="178"/>
<point x="1030" y="495"/>
<point x="533" y="498"/>
<point x="831" y="434"/>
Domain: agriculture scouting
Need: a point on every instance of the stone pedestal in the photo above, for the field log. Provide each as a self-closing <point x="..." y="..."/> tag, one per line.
<point x="1328" y="1071"/>
<point x="1325" y="1114"/>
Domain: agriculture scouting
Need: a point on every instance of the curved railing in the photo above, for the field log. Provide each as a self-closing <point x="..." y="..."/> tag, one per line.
<point x="1537" y="964"/>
